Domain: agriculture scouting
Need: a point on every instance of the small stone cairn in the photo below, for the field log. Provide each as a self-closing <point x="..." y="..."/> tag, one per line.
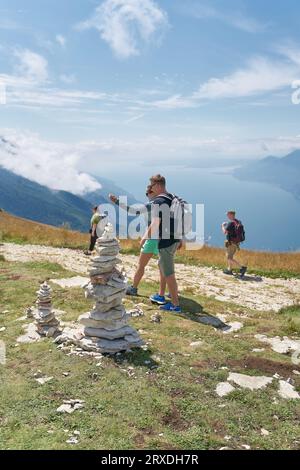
<point x="46" y="322"/>
<point x="106" y="328"/>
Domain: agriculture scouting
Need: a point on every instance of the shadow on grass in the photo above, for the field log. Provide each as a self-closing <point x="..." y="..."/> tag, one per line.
<point x="137" y="357"/>
<point x="193" y="311"/>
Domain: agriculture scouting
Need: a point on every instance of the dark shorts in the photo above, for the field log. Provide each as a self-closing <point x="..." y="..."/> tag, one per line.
<point x="166" y="259"/>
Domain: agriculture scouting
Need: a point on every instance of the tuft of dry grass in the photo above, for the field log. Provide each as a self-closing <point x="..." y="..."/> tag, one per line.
<point x="20" y="230"/>
<point x="258" y="260"/>
<point x="16" y="229"/>
<point x="272" y="264"/>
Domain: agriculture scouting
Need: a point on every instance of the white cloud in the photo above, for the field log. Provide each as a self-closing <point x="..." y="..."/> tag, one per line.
<point x="134" y="118"/>
<point x="259" y="76"/>
<point x="50" y="164"/>
<point x="175" y="102"/>
<point x="125" y="24"/>
<point x="62" y="166"/>
<point x="31" y="65"/>
<point x="61" y="40"/>
<point x="68" y="79"/>
<point x="230" y="17"/>
<point x="291" y="51"/>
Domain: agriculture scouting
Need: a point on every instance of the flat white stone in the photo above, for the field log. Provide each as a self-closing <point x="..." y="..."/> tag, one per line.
<point x="224" y="388"/>
<point x="108" y="324"/>
<point x="196" y="344"/>
<point x="101" y="307"/>
<point x="43" y="380"/>
<point x="107" y="346"/>
<point x="106" y="334"/>
<point x="69" y="406"/>
<point x="282" y="346"/>
<point x="70" y="335"/>
<point x="136" y="312"/>
<point x="31" y="335"/>
<point x="77" y="281"/>
<point x="3" y="353"/>
<point x="114" y="314"/>
<point x="250" y="382"/>
<point x="72" y="441"/>
<point x="233" y="327"/>
<point x="65" y="409"/>
<point x="112" y="250"/>
<point x="287" y="391"/>
<point x="104" y="294"/>
<point x="103" y="259"/>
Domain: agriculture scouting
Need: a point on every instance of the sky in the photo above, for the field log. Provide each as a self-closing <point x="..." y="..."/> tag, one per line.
<point x="115" y="87"/>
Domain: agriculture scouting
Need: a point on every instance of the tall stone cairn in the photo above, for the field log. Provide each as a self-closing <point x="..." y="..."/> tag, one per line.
<point x="46" y="322"/>
<point x="106" y="328"/>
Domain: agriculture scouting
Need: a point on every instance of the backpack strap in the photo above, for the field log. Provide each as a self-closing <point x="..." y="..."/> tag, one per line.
<point x="168" y="196"/>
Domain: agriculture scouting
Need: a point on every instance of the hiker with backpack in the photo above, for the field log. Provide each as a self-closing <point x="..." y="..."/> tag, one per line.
<point x="149" y="248"/>
<point x="235" y="235"/>
<point x="165" y="207"/>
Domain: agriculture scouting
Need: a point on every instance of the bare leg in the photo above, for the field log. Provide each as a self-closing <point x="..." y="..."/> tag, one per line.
<point x="232" y="263"/>
<point x="143" y="261"/>
<point x="173" y="288"/>
<point x="162" y="284"/>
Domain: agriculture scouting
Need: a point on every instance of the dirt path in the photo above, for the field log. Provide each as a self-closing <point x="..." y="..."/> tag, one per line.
<point x="254" y="292"/>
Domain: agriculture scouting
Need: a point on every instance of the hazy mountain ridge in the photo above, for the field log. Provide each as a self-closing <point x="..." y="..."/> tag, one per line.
<point x="25" y="198"/>
<point x="28" y="199"/>
<point x="107" y="187"/>
<point x="283" y="172"/>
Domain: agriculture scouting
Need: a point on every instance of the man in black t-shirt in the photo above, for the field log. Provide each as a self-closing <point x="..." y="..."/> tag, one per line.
<point x="162" y="228"/>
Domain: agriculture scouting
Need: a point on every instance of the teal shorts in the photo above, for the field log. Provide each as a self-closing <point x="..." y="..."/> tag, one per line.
<point x="150" y="247"/>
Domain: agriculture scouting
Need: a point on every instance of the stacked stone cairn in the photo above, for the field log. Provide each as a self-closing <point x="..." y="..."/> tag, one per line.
<point x="106" y="328"/>
<point x="46" y="322"/>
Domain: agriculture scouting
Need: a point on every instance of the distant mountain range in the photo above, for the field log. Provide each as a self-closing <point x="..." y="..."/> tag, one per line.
<point x="25" y="198"/>
<point x="283" y="172"/>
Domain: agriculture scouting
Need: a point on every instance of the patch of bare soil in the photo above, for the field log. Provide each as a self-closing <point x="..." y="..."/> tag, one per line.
<point x="174" y="420"/>
<point x="267" y="366"/>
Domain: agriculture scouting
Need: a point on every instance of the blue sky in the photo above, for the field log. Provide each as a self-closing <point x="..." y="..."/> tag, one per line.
<point x="97" y="86"/>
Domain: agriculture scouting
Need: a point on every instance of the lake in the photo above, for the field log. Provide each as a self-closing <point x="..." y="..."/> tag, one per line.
<point x="271" y="216"/>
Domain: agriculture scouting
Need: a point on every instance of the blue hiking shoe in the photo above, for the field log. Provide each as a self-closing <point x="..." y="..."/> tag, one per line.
<point x="158" y="299"/>
<point x="169" y="307"/>
<point x="132" y="291"/>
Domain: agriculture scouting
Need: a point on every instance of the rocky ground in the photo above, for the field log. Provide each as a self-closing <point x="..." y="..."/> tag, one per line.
<point x="255" y="292"/>
<point x="223" y="375"/>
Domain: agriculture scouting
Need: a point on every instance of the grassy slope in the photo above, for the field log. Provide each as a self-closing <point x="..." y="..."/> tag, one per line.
<point x="172" y="406"/>
<point x="19" y="230"/>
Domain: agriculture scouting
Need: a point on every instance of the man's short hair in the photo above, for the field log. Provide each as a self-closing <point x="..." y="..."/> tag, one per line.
<point x="232" y="213"/>
<point x="158" y="179"/>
